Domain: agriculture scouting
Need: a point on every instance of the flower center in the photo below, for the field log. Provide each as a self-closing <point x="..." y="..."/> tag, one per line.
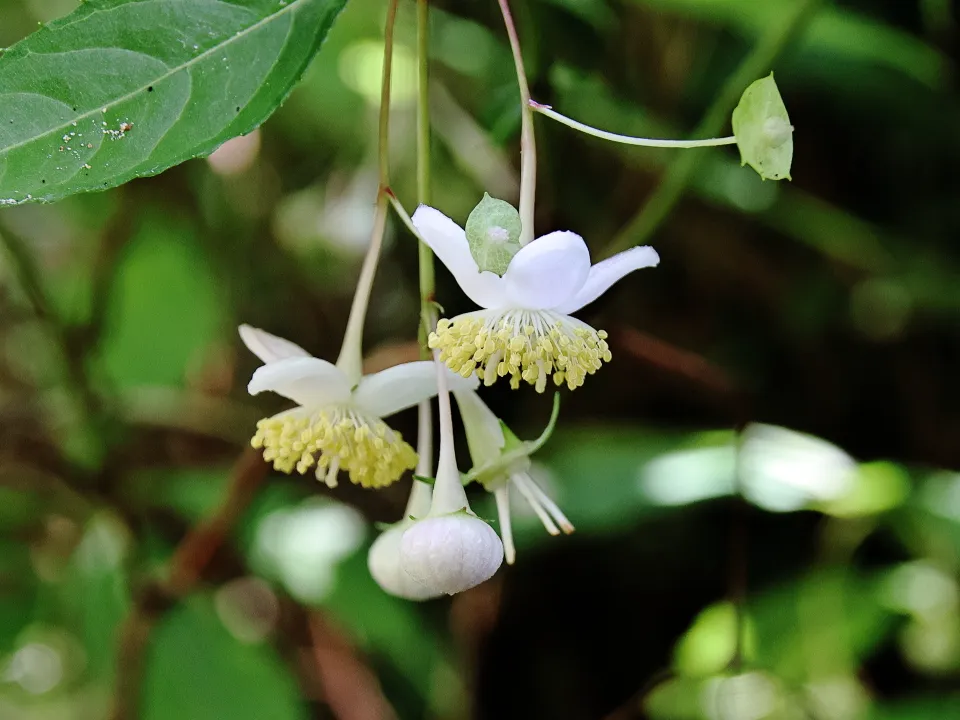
<point x="333" y="439"/>
<point x="524" y="344"/>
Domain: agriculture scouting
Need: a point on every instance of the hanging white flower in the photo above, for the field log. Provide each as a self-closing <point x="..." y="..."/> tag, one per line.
<point x="450" y="549"/>
<point x="527" y="294"/>
<point x="501" y="462"/>
<point x="337" y="423"/>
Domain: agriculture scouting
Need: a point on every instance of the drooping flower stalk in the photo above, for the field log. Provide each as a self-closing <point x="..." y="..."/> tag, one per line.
<point x="350" y="360"/>
<point x="549" y="112"/>
<point x="528" y="143"/>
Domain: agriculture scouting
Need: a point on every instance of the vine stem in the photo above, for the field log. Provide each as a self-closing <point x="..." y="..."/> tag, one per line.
<point x="351" y="352"/>
<point x="528" y="144"/>
<point x="428" y="316"/>
<point x="627" y="139"/>
<point x="668" y="193"/>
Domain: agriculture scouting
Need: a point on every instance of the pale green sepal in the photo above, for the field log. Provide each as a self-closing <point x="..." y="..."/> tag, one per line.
<point x="510" y="441"/>
<point x="516" y="452"/>
<point x="493" y="233"/>
<point x="763" y="130"/>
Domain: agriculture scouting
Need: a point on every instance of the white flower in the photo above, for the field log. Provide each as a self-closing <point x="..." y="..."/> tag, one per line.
<point x="525" y="329"/>
<point x="337" y="424"/>
<point x="499" y="465"/>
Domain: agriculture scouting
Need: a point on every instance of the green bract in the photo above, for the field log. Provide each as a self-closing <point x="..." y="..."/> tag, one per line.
<point x="493" y="232"/>
<point x="763" y="130"/>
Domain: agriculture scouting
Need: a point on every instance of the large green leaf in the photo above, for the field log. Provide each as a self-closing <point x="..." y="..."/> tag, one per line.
<point x="125" y="88"/>
<point x="197" y="670"/>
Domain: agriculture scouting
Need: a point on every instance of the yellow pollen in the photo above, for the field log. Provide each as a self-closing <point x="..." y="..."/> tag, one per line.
<point x="335" y="438"/>
<point x="527" y="345"/>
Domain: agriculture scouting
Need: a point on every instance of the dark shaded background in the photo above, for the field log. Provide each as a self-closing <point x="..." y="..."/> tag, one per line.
<point x="139" y="573"/>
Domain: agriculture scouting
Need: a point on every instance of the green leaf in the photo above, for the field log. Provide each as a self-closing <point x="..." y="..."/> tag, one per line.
<point x="493" y="232"/>
<point x="197" y="670"/>
<point x="120" y="89"/>
<point x="165" y="309"/>
<point x="763" y="130"/>
<point x="96" y="592"/>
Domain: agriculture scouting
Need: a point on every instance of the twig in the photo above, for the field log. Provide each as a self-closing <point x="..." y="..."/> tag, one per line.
<point x="658" y="207"/>
<point x="186" y="568"/>
<point x="351" y="689"/>
<point x="93" y="419"/>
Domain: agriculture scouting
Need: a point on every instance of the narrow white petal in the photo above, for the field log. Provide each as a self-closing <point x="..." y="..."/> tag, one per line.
<point x="402" y="386"/>
<point x="525" y="485"/>
<point x="267" y="347"/>
<point x="307" y="381"/>
<point x="502" y="497"/>
<point x="449" y="242"/>
<point x="484" y="432"/>
<point x="606" y="273"/>
<point x="548" y="271"/>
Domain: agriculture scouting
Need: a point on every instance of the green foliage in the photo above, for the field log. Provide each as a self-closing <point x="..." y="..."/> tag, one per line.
<point x="197" y="671"/>
<point x="830" y="302"/>
<point x="493" y="232"/>
<point x="120" y="89"/>
<point x="165" y="309"/>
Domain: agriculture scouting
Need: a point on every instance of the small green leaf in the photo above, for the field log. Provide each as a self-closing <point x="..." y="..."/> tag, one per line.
<point x="763" y="130"/>
<point x="120" y="89"/>
<point x="493" y="231"/>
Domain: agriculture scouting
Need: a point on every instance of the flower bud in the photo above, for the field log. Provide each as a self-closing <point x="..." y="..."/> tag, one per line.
<point x="450" y="553"/>
<point x="383" y="560"/>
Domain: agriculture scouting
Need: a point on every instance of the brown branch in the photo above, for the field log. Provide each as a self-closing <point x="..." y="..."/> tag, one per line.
<point x="351" y="689"/>
<point x="187" y="565"/>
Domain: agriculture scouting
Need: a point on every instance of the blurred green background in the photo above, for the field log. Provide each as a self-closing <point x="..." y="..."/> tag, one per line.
<point x="146" y="572"/>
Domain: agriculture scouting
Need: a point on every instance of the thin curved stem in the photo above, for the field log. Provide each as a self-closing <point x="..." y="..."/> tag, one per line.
<point x="627" y="139"/>
<point x="528" y="143"/>
<point x="642" y="226"/>
<point x="351" y="353"/>
<point x="421" y="493"/>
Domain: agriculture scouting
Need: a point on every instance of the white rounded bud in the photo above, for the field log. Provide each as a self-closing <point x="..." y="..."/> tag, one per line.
<point x="383" y="560"/>
<point x="450" y="553"/>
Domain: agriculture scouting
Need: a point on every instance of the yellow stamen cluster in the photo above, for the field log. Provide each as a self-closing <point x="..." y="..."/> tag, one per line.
<point x="524" y="344"/>
<point x="333" y="439"/>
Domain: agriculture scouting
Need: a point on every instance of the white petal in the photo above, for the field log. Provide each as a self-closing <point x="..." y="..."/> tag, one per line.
<point x="606" y="273"/>
<point x="484" y="432"/>
<point x="267" y="347"/>
<point x="383" y="560"/>
<point x="402" y="386"/>
<point x="548" y="271"/>
<point x="449" y="242"/>
<point x="450" y="553"/>
<point x="307" y="381"/>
